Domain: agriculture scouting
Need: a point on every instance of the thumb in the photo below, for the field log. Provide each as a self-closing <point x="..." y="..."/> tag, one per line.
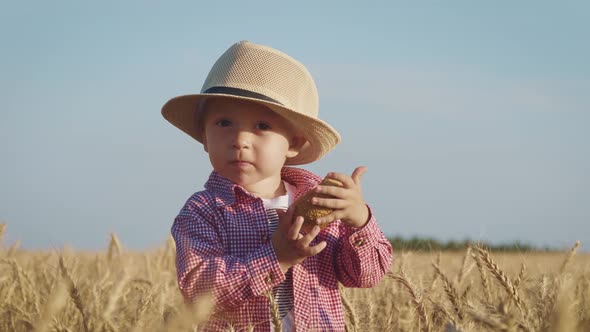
<point x="358" y="173"/>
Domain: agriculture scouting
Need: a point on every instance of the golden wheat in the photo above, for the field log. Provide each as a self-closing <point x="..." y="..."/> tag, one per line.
<point x="117" y="290"/>
<point x="569" y="257"/>
<point x="423" y="324"/>
<point x="451" y="292"/>
<point x="2" y="230"/>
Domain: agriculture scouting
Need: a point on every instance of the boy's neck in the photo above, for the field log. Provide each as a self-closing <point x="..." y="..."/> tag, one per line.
<point x="268" y="188"/>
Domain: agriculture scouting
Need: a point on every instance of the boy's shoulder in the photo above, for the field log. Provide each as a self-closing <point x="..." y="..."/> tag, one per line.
<point x="201" y="200"/>
<point x="300" y="177"/>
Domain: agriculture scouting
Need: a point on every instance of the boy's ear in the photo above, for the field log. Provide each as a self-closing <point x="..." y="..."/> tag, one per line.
<point x="297" y="142"/>
<point x="204" y="139"/>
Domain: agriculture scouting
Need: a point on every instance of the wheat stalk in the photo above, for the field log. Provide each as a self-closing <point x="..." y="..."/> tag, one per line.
<point x="275" y="317"/>
<point x="2" y="230"/>
<point x="463" y="272"/>
<point x="74" y="292"/>
<point x="416" y="300"/>
<point x="348" y="309"/>
<point x="114" y="247"/>
<point x="569" y="257"/>
<point x="56" y="303"/>
<point x="488" y="321"/>
<point x="442" y="311"/>
<point x="502" y="278"/>
<point x="145" y="303"/>
<point x="13" y="248"/>
<point x="555" y="294"/>
<point x="23" y="282"/>
<point x="25" y="317"/>
<point x="451" y="292"/>
<point x="434" y="274"/>
<point x="563" y="317"/>
<point x="114" y="295"/>
<point x="190" y="315"/>
<point x="483" y="277"/>
<point x="520" y="277"/>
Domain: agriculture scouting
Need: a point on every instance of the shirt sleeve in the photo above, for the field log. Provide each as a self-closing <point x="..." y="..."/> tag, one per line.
<point x="363" y="255"/>
<point x="204" y="268"/>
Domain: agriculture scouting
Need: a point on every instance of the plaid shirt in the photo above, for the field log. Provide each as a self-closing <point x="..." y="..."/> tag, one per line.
<point x="224" y="249"/>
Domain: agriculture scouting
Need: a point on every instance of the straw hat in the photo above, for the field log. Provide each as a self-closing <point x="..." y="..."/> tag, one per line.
<point x="258" y="73"/>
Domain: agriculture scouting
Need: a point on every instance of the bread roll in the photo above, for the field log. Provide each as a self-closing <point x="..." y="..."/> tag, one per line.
<point x="311" y="212"/>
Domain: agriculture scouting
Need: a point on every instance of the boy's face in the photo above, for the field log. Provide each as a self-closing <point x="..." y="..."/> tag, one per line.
<point x="247" y="143"/>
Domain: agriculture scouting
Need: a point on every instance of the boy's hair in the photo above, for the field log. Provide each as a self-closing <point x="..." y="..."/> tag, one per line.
<point x="260" y="74"/>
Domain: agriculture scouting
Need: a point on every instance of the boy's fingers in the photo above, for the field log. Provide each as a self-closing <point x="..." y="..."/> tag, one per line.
<point x="332" y="191"/>
<point x="358" y="173"/>
<point x="285" y="213"/>
<point x="293" y="233"/>
<point x="330" y="202"/>
<point x="317" y="248"/>
<point x="307" y="238"/>
<point x="344" y="178"/>
<point x="334" y="215"/>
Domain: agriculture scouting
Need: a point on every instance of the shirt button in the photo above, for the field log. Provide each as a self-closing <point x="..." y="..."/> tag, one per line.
<point x="265" y="238"/>
<point x="359" y="242"/>
<point x="268" y="279"/>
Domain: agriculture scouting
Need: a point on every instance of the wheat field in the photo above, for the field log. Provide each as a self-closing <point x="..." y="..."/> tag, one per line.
<point x="471" y="290"/>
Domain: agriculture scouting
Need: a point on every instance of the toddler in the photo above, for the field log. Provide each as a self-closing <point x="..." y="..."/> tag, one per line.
<point x="238" y="240"/>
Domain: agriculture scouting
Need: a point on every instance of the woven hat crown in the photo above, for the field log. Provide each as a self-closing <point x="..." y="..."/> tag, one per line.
<point x="268" y="72"/>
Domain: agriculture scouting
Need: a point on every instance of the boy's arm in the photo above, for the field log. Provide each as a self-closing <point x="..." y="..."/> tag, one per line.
<point x="363" y="255"/>
<point x="204" y="268"/>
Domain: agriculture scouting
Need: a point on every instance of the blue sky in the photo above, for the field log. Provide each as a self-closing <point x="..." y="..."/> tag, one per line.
<point x="472" y="117"/>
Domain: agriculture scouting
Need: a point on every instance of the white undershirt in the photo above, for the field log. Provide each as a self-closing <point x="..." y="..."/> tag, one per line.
<point x="282" y="203"/>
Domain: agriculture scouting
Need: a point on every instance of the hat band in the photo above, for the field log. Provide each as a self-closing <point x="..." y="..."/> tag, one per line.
<point x="240" y="92"/>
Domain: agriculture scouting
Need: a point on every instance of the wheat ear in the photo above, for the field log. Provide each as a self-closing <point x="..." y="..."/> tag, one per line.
<point x="416" y="300"/>
<point x="145" y="303"/>
<point x="434" y="274"/>
<point x="483" y="277"/>
<point x="521" y="274"/>
<point x="114" y="247"/>
<point x="501" y="277"/>
<point x="274" y="312"/>
<point x="464" y="271"/>
<point x="451" y="292"/>
<point x="74" y="293"/>
<point x="569" y="257"/>
<point x="2" y="230"/>
<point x="488" y="321"/>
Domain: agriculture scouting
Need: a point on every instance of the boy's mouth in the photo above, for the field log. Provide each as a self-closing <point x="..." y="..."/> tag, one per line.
<point x="240" y="163"/>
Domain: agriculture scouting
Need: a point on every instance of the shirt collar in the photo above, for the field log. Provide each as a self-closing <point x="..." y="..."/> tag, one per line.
<point x="225" y="191"/>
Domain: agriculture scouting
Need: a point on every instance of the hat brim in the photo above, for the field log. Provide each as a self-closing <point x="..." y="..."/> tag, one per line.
<point x="182" y="112"/>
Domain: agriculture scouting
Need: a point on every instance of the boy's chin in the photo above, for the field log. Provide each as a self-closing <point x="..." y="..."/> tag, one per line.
<point x="237" y="178"/>
<point x="244" y="179"/>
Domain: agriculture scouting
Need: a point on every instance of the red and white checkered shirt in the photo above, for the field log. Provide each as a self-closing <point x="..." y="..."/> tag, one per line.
<point x="224" y="249"/>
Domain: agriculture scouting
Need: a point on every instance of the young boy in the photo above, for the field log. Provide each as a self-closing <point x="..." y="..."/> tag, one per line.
<point x="257" y="113"/>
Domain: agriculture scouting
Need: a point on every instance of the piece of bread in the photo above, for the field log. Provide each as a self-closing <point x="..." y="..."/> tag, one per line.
<point x="311" y="212"/>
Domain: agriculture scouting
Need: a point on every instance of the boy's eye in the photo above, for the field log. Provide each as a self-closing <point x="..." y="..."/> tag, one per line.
<point x="262" y="126"/>
<point x="223" y="123"/>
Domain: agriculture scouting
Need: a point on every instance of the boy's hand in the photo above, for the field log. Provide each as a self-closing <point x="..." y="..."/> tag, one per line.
<point x="290" y="246"/>
<point x="347" y="202"/>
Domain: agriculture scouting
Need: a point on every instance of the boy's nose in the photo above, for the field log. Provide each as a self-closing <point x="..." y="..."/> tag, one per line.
<point x="241" y="140"/>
